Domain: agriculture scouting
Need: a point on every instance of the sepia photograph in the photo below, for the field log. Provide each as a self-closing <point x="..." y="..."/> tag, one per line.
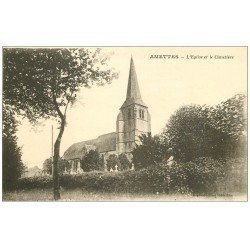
<point x="124" y="124"/>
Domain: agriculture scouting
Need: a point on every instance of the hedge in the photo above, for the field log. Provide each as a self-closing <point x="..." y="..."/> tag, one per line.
<point x="203" y="176"/>
<point x="143" y="181"/>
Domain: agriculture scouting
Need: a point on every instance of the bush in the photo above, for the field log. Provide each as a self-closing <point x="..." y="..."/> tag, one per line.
<point x="62" y="166"/>
<point x="145" y="181"/>
<point x="112" y="161"/>
<point x="235" y="179"/>
<point x="203" y="176"/>
<point x="149" y="180"/>
<point x="199" y="177"/>
<point x="178" y="179"/>
<point x="35" y="182"/>
<point x="92" y="161"/>
<point x="124" y="162"/>
<point x="150" y="152"/>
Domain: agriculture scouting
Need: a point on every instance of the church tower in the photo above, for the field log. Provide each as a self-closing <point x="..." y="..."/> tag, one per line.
<point x="133" y="118"/>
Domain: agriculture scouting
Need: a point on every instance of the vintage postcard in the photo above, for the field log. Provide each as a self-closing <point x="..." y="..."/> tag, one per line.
<point x="124" y="124"/>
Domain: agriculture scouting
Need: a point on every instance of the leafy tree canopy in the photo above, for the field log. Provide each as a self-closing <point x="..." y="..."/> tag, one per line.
<point x="124" y="162"/>
<point x="92" y="161"/>
<point x="12" y="164"/>
<point x="230" y="117"/>
<point x="63" y="166"/>
<point x="38" y="82"/>
<point x="112" y="161"/>
<point x="203" y="131"/>
<point x="150" y="152"/>
<point x="42" y="83"/>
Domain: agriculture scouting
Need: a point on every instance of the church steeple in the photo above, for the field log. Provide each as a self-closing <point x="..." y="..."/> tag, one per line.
<point x="133" y="119"/>
<point x="133" y="91"/>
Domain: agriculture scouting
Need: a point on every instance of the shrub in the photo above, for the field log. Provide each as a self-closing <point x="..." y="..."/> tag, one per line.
<point x="203" y="176"/>
<point x="235" y="179"/>
<point x="35" y="182"/>
<point x="124" y="162"/>
<point x="112" y="161"/>
<point x="92" y="161"/>
<point x="62" y="166"/>
<point x="178" y="178"/>
<point x="149" y="180"/>
<point x="151" y="151"/>
<point x="199" y="177"/>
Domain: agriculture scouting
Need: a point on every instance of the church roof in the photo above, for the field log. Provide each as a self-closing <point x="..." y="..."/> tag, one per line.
<point x="133" y="91"/>
<point x="103" y="143"/>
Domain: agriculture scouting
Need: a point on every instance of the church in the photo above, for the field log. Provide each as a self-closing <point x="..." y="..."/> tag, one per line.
<point x="133" y="120"/>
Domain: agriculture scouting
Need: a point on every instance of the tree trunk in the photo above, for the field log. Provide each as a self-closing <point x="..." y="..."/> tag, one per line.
<point x="56" y="186"/>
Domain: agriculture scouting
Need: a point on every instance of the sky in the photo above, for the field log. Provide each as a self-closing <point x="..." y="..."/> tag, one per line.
<point x="165" y="85"/>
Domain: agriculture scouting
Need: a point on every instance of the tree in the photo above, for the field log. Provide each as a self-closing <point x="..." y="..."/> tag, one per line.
<point x="124" y="162"/>
<point x="12" y="166"/>
<point x="150" y="152"/>
<point x="190" y="133"/>
<point x="62" y="166"/>
<point x="92" y="161"/>
<point x="112" y="161"/>
<point x="42" y="83"/>
<point x="230" y="117"/>
<point x="201" y="131"/>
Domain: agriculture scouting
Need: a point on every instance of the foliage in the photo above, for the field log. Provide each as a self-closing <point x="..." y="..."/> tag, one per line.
<point x="235" y="179"/>
<point x="48" y="79"/>
<point x="12" y="165"/>
<point x="204" y="176"/>
<point x="230" y="117"/>
<point x="124" y="162"/>
<point x="112" y="161"/>
<point x="202" y="131"/>
<point x="150" y="152"/>
<point x="35" y="182"/>
<point x="201" y="175"/>
<point x="121" y="161"/>
<point x="92" y="161"/>
<point x="190" y="134"/>
<point x="143" y="181"/>
<point x="63" y="165"/>
<point x="42" y="83"/>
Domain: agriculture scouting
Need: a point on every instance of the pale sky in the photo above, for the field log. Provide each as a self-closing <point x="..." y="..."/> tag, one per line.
<point x="165" y="85"/>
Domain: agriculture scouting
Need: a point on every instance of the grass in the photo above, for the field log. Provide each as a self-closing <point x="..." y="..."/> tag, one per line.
<point x="82" y="195"/>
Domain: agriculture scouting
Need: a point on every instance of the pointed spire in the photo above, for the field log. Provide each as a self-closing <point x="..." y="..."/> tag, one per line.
<point x="133" y="91"/>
